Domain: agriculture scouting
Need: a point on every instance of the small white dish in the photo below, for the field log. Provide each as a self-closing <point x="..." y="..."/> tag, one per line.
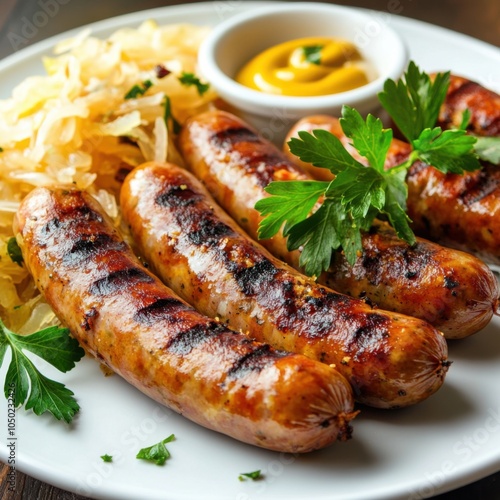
<point x="233" y="42"/>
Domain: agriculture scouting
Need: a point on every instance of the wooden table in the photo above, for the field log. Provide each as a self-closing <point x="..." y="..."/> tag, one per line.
<point x="480" y="19"/>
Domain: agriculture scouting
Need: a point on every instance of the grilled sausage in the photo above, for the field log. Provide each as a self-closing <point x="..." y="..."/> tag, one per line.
<point x="453" y="291"/>
<point x="483" y="104"/>
<point x="134" y="324"/>
<point x="461" y="211"/>
<point x="460" y="291"/>
<point x="199" y="251"/>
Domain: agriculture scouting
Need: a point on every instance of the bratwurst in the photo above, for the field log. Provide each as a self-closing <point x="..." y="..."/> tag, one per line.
<point x="462" y="211"/>
<point x="124" y="316"/>
<point x="453" y="291"/>
<point x="459" y="288"/>
<point x="390" y="360"/>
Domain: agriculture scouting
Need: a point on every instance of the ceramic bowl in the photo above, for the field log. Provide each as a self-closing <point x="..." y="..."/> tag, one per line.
<point x="236" y="40"/>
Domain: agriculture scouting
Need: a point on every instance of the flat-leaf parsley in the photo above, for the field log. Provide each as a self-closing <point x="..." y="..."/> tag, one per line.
<point x="322" y="217"/>
<point x="156" y="453"/>
<point x="37" y="392"/>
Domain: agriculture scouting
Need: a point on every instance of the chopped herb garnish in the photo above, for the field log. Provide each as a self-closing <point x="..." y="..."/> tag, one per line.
<point x="312" y="53"/>
<point x="157" y="453"/>
<point x="169" y="117"/>
<point x="107" y="458"/>
<point x="254" y="476"/>
<point x="54" y="345"/>
<point x="138" y="90"/>
<point x="357" y="195"/>
<point x="14" y="251"/>
<point x="190" y="79"/>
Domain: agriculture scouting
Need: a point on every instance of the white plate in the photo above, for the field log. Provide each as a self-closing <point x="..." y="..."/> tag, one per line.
<point x="445" y="442"/>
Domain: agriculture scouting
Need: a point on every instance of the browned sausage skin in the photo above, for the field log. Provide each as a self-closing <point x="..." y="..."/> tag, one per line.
<point x="197" y="249"/>
<point x="455" y="292"/>
<point x="138" y="327"/>
<point x="461" y="211"/>
<point x="483" y="104"/>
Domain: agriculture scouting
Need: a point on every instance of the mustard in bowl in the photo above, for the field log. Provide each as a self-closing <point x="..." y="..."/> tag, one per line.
<point x="240" y="38"/>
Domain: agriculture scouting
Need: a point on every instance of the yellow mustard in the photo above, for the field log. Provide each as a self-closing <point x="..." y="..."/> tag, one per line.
<point x="306" y="67"/>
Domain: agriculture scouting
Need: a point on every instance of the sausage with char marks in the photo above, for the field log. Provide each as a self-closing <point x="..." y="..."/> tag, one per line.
<point x="197" y="249"/>
<point x="455" y="292"/>
<point x="133" y="323"/>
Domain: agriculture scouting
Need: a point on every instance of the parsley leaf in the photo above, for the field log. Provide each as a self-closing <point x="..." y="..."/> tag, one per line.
<point x="414" y="102"/>
<point x="291" y="202"/>
<point x="157" y="453"/>
<point x="448" y="151"/>
<point x="31" y="387"/>
<point x="360" y="193"/>
<point x="369" y="138"/>
<point x="396" y="193"/>
<point x="107" y="458"/>
<point x="189" y="79"/>
<point x="322" y="149"/>
<point x="14" y="251"/>
<point x="250" y="475"/>
<point x="138" y="90"/>
<point x="312" y="53"/>
<point x="318" y="236"/>
<point x="488" y="149"/>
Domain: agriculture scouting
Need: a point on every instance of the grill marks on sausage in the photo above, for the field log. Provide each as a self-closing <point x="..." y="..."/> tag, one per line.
<point x="76" y="241"/>
<point x="253" y="154"/>
<point x="253" y="279"/>
<point x="75" y="231"/>
<point x="209" y="233"/>
<point x="90" y="245"/>
<point x="177" y="196"/>
<point x="406" y="263"/>
<point x="371" y="336"/>
<point x="187" y="340"/>
<point x="485" y="119"/>
<point x="229" y="137"/>
<point x="199" y="224"/>
<point x="257" y="277"/>
<point x="119" y="280"/>
<point x="163" y="309"/>
<point x="256" y="359"/>
<point x="480" y="185"/>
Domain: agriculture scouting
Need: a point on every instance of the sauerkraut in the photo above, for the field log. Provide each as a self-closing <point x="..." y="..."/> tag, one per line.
<point x="102" y="108"/>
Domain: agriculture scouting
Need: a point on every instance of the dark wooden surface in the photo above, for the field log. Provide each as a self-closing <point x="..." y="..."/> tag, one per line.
<point x="479" y="18"/>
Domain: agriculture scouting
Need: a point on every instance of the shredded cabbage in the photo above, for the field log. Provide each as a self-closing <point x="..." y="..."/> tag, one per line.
<point x="73" y="125"/>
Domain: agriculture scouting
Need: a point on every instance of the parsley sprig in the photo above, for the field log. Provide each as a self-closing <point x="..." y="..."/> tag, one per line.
<point x="32" y="388"/>
<point x="254" y="475"/>
<point x="357" y="195"/>
<point x="156" y="453"/>
<point x="312" y="53"/>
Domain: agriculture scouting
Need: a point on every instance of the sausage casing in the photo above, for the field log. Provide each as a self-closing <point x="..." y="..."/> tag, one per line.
<point x="133" y="323"/>
<point x="453" y="291"/>
<point x="461" y="211"/>
<point x="482" y="103"/>
<point x="198" y="250"/>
